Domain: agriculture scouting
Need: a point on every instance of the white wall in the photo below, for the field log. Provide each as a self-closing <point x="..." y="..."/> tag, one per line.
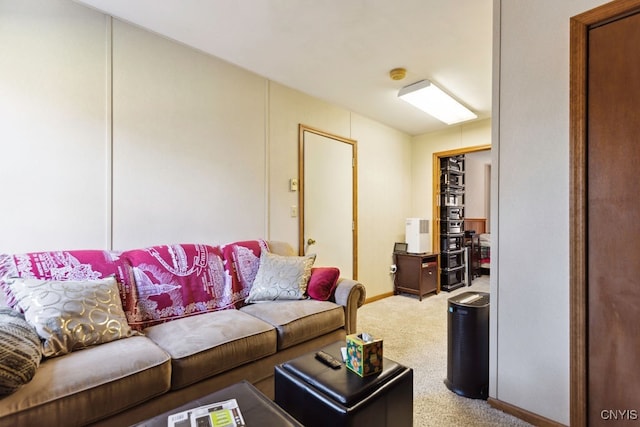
<point x="384" y="187"/>
<point x="53" y="119"/>
<point x="188" y="144"/>
<point x="476" y="184"/>
<point x="169" y="147"/>
<point x="112" y="136"/>
<point x="530" y="253"/>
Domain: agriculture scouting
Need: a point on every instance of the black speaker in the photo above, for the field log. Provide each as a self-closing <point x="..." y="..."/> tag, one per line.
<point x="468" y="345"/>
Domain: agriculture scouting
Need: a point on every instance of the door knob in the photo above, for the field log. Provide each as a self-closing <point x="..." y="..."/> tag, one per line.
<point x="311" y="241"/>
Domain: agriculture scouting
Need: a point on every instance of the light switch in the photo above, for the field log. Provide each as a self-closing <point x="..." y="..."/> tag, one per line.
<point x="294" y="211"/>
<point x="293" y="184"/>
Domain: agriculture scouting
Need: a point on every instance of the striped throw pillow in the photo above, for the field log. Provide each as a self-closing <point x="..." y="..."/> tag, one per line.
<point x="20" y="351"/>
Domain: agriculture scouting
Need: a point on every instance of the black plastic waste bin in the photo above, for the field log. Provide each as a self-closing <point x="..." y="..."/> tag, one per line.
<point x="468" y="345"/>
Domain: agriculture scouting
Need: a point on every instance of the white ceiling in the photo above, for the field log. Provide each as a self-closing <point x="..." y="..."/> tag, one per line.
<point x="340" y="51"/>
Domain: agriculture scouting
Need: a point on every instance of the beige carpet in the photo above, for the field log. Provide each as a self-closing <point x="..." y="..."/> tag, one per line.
<point x="415" y="335"/>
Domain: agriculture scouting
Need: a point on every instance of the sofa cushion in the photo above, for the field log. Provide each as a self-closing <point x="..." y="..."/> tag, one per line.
<point x="205" y="345"/>
<point x="70" y="315"/>
<point x="20" y="351"/>
<point x="298" y="321"/>
<point x="281" y="278"/>
<point x="91" y="384"/>
<point x="176" y="281"/>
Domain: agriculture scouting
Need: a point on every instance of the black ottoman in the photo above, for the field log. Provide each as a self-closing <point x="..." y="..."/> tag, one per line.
<point x="317" y="395"/>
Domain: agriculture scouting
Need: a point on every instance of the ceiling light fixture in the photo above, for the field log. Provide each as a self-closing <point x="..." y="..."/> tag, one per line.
<point x="435" y="102"/>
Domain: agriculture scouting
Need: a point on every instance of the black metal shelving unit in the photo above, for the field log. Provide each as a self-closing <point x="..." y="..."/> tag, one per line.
<point x="452" y="247"/>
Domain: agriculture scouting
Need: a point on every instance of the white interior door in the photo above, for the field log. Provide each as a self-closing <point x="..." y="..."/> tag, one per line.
<point x="328" y="191"/>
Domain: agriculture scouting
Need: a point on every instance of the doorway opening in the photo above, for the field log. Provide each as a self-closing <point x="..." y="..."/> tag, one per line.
<point x="470" y="217"/>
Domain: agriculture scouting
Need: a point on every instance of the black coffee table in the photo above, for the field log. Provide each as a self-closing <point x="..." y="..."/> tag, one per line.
<point x="256" y="408"/>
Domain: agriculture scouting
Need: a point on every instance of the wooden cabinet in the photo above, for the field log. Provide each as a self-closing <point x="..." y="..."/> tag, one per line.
<point x="416" y="274"/>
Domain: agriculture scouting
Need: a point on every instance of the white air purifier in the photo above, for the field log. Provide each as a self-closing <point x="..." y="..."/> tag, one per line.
<point x="417" y="236"/>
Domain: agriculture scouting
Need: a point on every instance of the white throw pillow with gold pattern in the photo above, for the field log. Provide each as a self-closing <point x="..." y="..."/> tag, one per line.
<point x="281" y="277"/>
<point x="70" y="315"/>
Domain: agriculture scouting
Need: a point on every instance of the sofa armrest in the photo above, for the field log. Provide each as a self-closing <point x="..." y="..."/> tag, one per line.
<point x="350" y="294"/>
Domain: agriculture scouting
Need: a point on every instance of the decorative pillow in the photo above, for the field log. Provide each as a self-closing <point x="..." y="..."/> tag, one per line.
<point x="70" y="315"/>
<point x="322" y="282"/>
<point x="20" y="351"/>
<point x="175" y="281"/>
<point x="281" y="277"/>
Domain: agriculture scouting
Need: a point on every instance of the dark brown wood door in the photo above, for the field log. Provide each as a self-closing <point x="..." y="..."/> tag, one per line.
<point x="613" y="222"/>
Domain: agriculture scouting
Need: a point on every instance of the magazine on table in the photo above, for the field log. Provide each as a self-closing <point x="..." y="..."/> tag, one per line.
<point x="219" y="414"/>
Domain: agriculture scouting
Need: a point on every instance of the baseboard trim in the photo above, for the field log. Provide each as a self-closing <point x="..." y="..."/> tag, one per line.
<point x="530" y="417"/>
<point x="378" y="297"/>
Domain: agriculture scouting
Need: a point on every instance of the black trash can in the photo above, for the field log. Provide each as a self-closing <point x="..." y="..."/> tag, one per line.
<point x="468" y="345"/>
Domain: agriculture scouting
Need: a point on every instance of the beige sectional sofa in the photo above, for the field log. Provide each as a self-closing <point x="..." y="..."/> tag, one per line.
<point x="127" y="380"/>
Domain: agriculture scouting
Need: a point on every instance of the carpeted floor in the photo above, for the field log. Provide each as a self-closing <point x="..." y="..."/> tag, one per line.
<point x="415" y="335"/>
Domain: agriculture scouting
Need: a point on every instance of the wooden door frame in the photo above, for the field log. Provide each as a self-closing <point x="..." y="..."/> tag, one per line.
<point x="578" y="280"/>
<point x="301" y="189"/>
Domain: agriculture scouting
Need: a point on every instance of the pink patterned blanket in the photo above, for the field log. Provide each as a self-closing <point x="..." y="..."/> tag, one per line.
<point x="158" y="283"/>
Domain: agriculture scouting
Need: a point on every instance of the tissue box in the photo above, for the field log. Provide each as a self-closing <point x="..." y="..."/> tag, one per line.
<point x="363" y="357"/>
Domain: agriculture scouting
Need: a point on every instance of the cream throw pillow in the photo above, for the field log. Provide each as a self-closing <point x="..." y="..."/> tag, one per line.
<point x="70" y="315"/>
<point x="281" y="277"/>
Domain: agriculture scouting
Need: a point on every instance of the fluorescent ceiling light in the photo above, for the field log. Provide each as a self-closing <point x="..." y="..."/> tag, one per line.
<point x="434" y="101"/>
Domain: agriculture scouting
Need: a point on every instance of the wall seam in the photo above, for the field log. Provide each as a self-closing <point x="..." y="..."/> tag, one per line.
<point x="267" y="159"/>
<point x="109" y="128"/>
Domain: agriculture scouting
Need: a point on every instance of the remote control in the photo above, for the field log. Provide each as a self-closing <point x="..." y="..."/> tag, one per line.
<point x="328" y="360"/>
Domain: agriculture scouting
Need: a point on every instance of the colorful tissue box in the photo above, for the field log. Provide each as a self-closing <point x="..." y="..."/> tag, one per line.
<point x="364" y="357"/>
